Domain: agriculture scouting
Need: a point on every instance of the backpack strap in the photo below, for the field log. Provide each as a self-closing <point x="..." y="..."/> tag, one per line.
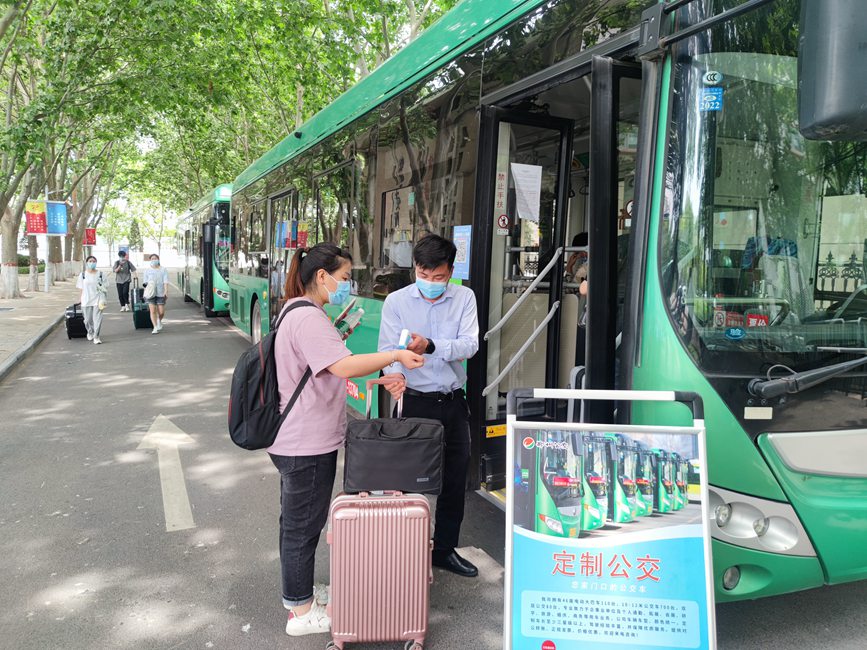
<point x="307" y="373"/>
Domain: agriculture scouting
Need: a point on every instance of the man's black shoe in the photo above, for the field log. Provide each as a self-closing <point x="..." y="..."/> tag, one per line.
<point x="454" y="563"/>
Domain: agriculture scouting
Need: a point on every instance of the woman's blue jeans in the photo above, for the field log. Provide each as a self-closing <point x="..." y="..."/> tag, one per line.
<point x="306" y="484"/>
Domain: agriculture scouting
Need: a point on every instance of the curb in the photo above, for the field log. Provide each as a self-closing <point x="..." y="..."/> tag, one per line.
<point x="17" y="357"/>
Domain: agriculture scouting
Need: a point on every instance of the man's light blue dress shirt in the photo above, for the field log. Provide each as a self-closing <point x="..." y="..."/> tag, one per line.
<point x="451" y="322"/>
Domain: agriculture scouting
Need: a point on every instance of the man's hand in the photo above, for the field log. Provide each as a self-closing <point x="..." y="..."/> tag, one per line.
<point x="396" y="384"/>
<point x="418" y="344"/>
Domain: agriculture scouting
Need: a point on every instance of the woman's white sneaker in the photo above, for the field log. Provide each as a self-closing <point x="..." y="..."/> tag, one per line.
<point x="155" y="331"/>
<point x="315" y="621"/>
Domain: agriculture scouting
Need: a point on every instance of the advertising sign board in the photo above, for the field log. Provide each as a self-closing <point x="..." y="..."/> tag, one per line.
<point x="604" y="548"/>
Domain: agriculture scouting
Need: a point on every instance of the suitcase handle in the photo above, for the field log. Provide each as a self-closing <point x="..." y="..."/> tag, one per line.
<point x="379" y="382"/>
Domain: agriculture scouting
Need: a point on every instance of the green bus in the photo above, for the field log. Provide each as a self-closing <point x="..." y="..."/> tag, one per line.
<point x="727" y="225"/>
<point x="204" y="238"/>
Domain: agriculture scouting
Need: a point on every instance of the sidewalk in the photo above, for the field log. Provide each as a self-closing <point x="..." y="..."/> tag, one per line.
<point x="24" y="322"/>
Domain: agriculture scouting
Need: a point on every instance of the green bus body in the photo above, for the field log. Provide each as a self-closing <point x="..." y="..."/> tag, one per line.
<point x="735" y="249"/>
<point x="204" y="238"/>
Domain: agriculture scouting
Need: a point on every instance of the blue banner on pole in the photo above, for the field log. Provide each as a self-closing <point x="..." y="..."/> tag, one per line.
<point x="56" y="216"/>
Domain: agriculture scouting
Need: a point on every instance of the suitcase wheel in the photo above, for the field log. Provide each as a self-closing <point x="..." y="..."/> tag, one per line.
<point x="413" y="645"/>
<point x="332" y="645"/>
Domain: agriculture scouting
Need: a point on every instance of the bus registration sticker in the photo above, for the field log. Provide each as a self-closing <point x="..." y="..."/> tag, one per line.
<point x="711" y="99"/>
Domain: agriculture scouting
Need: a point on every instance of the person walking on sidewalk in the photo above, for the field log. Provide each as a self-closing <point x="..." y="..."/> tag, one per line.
<point x="156" y="297"/>
<point x="305" y="449"/>
<point x="123" y="270"/>
<point x="444" y="325"/>
<point x="93" y="294"/>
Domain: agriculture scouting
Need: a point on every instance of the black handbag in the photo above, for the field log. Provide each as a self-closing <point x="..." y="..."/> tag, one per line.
<point x="403" y="454"/>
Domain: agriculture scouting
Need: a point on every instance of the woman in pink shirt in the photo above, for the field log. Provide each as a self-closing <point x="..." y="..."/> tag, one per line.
<point x="305" y="450"/>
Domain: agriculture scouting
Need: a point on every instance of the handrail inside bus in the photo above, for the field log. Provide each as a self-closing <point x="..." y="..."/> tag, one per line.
<point x="527" y="292"/>
<point x="524" y="348"/>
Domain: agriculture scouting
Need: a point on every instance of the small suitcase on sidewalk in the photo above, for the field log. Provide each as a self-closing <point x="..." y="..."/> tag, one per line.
<point x="380" y="569"/>
<point x="75" y="328"/>
<point x="141" y="316"/>
<point x="404" y="454"/>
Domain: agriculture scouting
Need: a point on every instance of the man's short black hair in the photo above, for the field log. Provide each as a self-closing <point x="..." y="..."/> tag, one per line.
<point x="580" y="239"/>
<point x="432" y="251"/>
<point x="122" y="253"/>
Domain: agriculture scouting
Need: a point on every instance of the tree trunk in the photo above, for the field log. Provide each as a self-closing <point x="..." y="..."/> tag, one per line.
<point x="54" y="265"/>
<point x="9" y="268"/>
<point x="33" y="278"/>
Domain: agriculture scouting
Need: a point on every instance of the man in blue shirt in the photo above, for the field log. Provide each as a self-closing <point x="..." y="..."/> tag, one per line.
<point x="442" y="319"/>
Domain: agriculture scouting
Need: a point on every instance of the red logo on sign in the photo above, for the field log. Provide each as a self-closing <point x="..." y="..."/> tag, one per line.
<point x="549" y="645"/>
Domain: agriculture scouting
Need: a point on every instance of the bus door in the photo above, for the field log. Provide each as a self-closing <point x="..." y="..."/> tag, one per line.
<point x="612" y="142"/>
<point x="283" y="211"/>
<point x="521" y="236"/>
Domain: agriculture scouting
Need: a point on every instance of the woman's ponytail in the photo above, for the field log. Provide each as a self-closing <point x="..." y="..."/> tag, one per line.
<point x="294" y="285"/>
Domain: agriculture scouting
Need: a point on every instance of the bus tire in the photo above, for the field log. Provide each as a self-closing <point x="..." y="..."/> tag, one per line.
<point x="255" y="322"/>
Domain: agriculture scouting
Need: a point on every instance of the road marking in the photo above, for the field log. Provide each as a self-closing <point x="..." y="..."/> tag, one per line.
<point x="164" y="436"/>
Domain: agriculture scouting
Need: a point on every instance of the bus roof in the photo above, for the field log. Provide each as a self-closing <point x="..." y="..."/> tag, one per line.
<point x="220" y="194"/>
<point x="467" y="24"/>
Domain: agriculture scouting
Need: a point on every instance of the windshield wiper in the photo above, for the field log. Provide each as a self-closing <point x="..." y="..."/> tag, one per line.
<point x="796" y="382"/>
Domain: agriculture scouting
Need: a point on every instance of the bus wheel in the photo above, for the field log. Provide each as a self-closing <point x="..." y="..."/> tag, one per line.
<point x="256" y="323"/>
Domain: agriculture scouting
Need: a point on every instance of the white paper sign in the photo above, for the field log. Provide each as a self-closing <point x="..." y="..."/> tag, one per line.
<point x="528" y="189"/>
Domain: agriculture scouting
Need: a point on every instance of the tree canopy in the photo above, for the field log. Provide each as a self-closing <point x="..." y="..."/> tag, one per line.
<point x="158" y="101"/>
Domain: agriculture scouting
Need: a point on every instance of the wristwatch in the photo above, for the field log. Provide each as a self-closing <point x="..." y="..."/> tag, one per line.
<point x="430" y="347"/>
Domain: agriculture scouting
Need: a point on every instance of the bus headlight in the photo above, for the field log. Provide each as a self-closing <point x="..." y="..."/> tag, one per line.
<point x="722" y="514"/>
<point x="761" y="526"/>
<point x="553" y="524"/>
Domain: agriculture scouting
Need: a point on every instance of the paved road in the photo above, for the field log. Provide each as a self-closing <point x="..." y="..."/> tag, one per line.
<point x="86" y="559"/>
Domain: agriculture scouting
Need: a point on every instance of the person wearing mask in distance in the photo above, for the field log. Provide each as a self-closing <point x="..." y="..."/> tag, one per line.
<point x="305" y="449"/>
<point x="157" y="304"/>
<point x="123" y="270"/>
<point x="93" y="291"/>
<point x="442" y="319"/>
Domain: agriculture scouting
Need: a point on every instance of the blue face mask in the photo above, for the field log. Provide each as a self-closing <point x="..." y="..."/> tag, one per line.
<point x="91" y="265"/>
<point x="155" y="263"/>
<point x="339" y="295"/>
<point x="430" y="290"/>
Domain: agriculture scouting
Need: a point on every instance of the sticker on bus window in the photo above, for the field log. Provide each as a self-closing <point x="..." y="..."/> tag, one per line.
<point x="711" y="99"/>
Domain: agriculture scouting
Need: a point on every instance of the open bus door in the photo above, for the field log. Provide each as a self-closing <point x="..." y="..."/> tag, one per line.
<point x="537" y="191"/>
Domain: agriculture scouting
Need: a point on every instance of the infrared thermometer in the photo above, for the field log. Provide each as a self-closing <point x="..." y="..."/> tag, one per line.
<point x="405" y="338"/>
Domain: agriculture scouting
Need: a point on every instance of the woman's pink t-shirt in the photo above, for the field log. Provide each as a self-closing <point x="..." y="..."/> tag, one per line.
<point x="317" y="422"/>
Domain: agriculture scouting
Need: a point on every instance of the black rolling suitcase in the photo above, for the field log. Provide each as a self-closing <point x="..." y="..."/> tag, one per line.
<point x="403" y="454"/>
<point x="75" y="328"/>
<point x="141" y="316"/>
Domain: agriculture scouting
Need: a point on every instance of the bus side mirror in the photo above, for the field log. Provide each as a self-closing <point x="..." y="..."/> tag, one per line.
<point x="832" y="75"/>
<point x="208" y="233"/>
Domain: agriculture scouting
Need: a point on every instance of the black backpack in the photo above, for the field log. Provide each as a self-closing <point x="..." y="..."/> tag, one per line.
<point x="254" y="403"/>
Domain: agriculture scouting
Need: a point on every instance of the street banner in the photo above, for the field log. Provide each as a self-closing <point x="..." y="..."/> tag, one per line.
<point x="35" y="218"/>
<point x="56" y="217"/>
<point x="90" y="236"/>
<point x="606" y="546"/>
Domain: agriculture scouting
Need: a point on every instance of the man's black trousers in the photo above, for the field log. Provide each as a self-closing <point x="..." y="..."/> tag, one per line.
<point x="454" y="414"/>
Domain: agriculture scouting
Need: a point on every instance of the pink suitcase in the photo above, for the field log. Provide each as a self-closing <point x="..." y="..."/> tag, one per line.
<point x="380" y="568"/>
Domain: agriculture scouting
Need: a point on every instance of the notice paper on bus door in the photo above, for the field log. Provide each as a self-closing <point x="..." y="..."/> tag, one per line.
<point x="608" y="547"/>
<point x="528" y="190"/>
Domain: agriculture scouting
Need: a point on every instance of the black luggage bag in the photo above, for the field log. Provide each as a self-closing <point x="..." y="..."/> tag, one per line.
<point x="141" y="315"/>
<point x="75" y="328"/>
<point x="403" y="454"/>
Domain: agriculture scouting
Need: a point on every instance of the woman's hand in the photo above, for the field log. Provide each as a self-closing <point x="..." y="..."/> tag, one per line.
<point x="409" y="359"/>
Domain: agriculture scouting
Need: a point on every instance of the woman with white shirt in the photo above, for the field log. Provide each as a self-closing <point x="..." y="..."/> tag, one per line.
<point x="157" y="275"/>
<point x="93" y="291"/>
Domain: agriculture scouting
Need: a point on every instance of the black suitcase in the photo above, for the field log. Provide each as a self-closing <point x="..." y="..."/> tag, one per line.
<point x="141" y="315"/>
<point x="403" y="454"/>
<point x="75" y="328"/>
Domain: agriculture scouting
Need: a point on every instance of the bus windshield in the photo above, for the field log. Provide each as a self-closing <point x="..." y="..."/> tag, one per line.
<point x="764" y="233"/>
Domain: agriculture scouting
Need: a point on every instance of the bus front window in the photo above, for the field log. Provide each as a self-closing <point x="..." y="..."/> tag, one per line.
<point x="763" y="233"/>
